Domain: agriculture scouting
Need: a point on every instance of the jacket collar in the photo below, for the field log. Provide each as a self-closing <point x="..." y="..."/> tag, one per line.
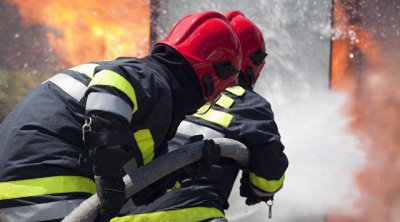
<point x="182" y="80"/>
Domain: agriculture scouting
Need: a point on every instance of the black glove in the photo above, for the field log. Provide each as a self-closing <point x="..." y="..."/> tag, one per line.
<point x="211" y="155"/>
<point x="109" y="149"/>
<point x="249" y="192"/>
<point x="111" y="193"/>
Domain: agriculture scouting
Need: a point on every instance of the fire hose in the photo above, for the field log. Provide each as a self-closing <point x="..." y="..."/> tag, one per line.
<point x="138" y="178"/>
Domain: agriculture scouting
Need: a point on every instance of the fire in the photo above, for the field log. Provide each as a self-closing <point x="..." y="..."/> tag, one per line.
<point x="82" y="31"/>
<point x="350" y="42"/>
<point x="361" y="67"/>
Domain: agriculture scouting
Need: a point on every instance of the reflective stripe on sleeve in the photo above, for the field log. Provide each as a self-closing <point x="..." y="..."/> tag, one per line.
<point x="189" y="128"/>
<point x="68" y="84"/>
<point x="111" y="78"/>
<point x="269" y="186"/>
<point x="87" y="69"/>
<point x="145" y="142"/>
<point x="236" y="90"/>
<point x="180" y="215"/>
<point x="215" y="116"/>
<point x="40" y="212"/>
<point x="46" y="185"/>
<point x="225" y="101"/>
<point x="110" y="103"/>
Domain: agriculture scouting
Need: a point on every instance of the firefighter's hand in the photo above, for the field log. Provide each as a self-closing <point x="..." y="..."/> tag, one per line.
<point x="211" y="154"/>
<point x="111" y="193"/>
<point x="251" y="193"/>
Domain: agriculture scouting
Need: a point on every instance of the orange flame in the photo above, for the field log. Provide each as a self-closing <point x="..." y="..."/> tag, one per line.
<point x="361" y="68"/>
<point x="82" y="31"/>
<point x="350" y="41"/>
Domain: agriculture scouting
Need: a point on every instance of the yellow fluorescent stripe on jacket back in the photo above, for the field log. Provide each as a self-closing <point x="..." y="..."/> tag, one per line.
<point x="145" y="142"/>
<point x="225" y="101"/>
<point x="204" y="108"/>
<point x="215" y="116"/>
<point x="181" y="215"/>
<point x="46" y="185"/>
<point x="87" y="69"/>
<point x="236" y="90"/>
<point x="111" y="78"/>
<point x="266" y="185"/>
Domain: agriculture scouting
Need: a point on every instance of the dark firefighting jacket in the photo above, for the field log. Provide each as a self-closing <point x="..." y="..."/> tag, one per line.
<point x="243" y="115"/>
<point x="44" y="168"/>
<point x="240" y="114"/>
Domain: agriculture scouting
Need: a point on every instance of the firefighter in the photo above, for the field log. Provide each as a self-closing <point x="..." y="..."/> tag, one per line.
<point x="71" y="135"/>
<point x="240" y="114"/>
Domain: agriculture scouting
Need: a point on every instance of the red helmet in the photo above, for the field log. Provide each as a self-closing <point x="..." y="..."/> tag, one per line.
<point x="209" y="44"/>
<point x="253" y="45"/>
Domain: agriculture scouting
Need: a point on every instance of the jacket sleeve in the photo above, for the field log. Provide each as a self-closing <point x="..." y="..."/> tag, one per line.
<point x="112" y="101"/>
<point x="113" y="93"/>
<point x="268" y="161"/>
<point x="243" y="115"/>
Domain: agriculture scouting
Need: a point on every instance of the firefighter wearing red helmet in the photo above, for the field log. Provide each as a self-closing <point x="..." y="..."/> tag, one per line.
<point x="253" y="46"/>
<point x="240" y="114"/>
<point x="70" y="136"/>
<point x="215" y="70"/>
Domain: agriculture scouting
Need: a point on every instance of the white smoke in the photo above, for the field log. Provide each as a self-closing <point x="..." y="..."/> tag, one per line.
<point x="323" y="157"/>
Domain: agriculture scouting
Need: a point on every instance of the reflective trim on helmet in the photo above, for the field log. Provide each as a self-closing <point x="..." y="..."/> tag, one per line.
<point x="225" y="101"/>
<point x="40" y="212"/>
<point x="236" y="90"/>
<point x="215" y="116"/>
<point x="109" y="103"/>
<point x="87" y="69"/>
<point x="269" y="186"/>
<point x="189" y="128"/>
<point x="46" y="185"/>
<point x="111" y="78"/>
<point x="68" y="84"/>
<point x="145" y="142"/>
<point x="179" y="215"/>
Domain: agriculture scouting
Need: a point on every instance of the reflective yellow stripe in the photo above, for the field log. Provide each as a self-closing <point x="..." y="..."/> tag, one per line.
<point x="46" y="185"/>
<point x="181" y="215"/>
<point x="177" y="185"/>
<point x="145" y="142"/>
<point x="266" y="185"/>
<point x="111" y="78"/>
<point x="215" y="116"/>
<point x="225" y="101"/>
<point x="87" y="69"/>
<point x="236" y="90"/>
<point x="204" y="108"/>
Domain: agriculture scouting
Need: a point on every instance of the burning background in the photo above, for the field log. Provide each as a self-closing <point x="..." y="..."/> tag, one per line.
<point x="40" y="38"/>
<point x="343" y="143"/>
<point x="365" y="65"/>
